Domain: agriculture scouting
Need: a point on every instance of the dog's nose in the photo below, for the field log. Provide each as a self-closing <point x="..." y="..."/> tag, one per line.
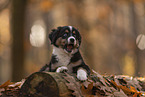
<point x="72" y="40"/>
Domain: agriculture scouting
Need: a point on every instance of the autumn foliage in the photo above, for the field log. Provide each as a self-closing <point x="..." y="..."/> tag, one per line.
<point x="95" y="86"/>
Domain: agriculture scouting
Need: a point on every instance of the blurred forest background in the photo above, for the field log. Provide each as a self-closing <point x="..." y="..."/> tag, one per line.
<point x="113" y="34"/>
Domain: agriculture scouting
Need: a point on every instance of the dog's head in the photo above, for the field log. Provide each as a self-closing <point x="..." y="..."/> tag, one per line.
<point x="67" y="38"/>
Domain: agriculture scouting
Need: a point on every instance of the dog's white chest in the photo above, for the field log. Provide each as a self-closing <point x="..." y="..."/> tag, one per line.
<point x="62" y="57"/>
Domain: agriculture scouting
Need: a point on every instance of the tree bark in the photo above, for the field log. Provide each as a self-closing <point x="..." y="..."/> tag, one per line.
<point x="43" y="84"/>
<point x="135" y="34"/>
<point x="17" y="28"/>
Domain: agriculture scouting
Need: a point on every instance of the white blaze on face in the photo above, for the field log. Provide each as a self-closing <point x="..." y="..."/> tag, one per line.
<point x="71" y="37"/>
<point x="70" y="27"/>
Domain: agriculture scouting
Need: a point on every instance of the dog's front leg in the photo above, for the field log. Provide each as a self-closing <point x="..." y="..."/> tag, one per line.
<point x="82" y="74"/>
<point x="61" y="69"/>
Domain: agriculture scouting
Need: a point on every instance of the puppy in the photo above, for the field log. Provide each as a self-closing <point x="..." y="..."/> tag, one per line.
<point x="66" y="57"/>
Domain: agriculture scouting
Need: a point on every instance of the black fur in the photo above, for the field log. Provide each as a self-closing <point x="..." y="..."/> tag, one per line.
<point x="82" y="65"/>
<point x="54" y="59"/>
<point x="77" y="56"/>
<point x="54" y="35"/>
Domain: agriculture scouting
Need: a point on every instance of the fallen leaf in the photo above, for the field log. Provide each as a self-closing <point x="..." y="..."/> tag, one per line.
<point x="86" y="83"/>
<point x="87" y="91"/>
<point x="120" y="94"/>
<point x="125" y="90"/>
<point x="132" y="89"/>
<point x="10" y="88"/>
<point x="14" y="85"/>
<point x="1" y="90"/>
<point x="100" y="77"/>
<point x="5" y="85"/>
<point x="135" y="95"/>
<point x="73" y="85"/>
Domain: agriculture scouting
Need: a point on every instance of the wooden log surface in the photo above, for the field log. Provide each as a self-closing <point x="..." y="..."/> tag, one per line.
<point x="45" y="84"/>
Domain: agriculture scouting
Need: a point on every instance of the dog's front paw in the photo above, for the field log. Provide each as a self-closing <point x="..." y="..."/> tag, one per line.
<point x="82" y="74"/>
<point x="62" y="69"/>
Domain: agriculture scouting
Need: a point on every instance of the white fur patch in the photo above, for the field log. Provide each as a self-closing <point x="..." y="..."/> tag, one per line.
<point x="82" y="74"/>
<point x="70" y="27"/>
<point x="61" y="69"/>
<point x="62" y="56"/>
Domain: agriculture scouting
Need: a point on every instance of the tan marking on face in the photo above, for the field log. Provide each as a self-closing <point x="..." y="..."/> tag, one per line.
<point x="66" y="31"/>
<point x="58" y="41"/>
<point x="77" y="44"/>
<point x="74" y="32"/>
<point x="63" y="42"/>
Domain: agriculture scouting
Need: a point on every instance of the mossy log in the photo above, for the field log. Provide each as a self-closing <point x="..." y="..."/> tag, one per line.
<point x="45" y="84"/>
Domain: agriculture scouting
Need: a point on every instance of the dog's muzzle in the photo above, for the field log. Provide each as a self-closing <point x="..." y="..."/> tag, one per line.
<point x="71" y="43"/>
<point x="71" y="40"/>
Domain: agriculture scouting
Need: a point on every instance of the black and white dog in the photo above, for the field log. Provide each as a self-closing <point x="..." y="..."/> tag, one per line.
<point x="66" y="57"/>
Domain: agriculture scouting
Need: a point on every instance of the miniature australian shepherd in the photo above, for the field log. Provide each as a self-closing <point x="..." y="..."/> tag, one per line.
<point x="66" y="56"/>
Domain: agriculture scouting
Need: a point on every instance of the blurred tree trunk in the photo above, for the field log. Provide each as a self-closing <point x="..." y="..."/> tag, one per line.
<point x="135" y="24"/>
<point x="17" y="28"/>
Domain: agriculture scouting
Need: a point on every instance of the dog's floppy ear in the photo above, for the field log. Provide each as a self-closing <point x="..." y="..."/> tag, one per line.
<point x="54" y="35"/>
<point x="80" y="38"/>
